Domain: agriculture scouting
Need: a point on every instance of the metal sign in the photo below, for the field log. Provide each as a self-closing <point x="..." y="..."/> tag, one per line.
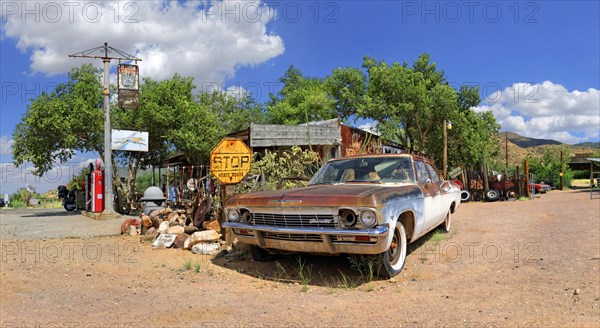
<point x="129" y="140"/>
<point x="454" y="172"/>
<point x="230" y="161"/>
<point x="129" y="86"/>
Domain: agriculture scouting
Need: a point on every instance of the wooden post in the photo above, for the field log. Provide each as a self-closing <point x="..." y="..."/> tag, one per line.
<point x="168" y="190"/>
<point x="486" y="184"/>
<point x="519" y="182"/>
<point x="527" y="179"/>
<point x="226" y="192"/>
<point x="445" y="152"/>
<point x="561" y="170"/>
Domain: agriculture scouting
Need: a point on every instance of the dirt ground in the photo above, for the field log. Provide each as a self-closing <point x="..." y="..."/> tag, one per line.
<point x="505" y="264"/>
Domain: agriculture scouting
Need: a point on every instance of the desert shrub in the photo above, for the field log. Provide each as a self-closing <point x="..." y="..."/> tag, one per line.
<point x="275" y="166"/>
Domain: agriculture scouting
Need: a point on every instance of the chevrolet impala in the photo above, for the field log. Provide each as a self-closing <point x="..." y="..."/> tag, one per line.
<point x="371" y="204"/>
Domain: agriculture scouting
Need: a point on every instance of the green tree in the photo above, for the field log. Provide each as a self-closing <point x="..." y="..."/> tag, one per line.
<point x="62" y="122"/>
<point x="235" y="113"/>
<point x="410" y="104"/>
<point x="300" y="100"/>
<point x="547" y="166"/>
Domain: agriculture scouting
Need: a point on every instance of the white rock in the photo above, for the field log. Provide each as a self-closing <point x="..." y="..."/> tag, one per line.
<point x="205" y="248"/>
<point x="207" y="236"/>
<point x="163" y="227"/>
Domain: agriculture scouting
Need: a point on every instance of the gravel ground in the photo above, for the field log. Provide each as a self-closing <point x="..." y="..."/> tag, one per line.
<point x="27" y="224"/>
<point x="505" y="264"/>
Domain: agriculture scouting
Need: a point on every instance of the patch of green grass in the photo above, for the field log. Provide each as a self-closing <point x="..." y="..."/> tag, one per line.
<point x="344" y="281"/>
<point x="197" y="267"/>
<point x="370" y="287"/>
<point x="187" y="265"/>
<point x="304" y="272"/>
<point x="367" y="266"/>
<point x="437" y="236"/>
<point x="281" y="275"/>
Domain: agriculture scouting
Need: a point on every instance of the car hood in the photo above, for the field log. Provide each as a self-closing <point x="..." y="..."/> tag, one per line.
<point x="349" y="194"/>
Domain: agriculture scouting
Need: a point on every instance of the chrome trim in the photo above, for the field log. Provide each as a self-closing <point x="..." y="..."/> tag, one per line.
<point x="379" y="231"/>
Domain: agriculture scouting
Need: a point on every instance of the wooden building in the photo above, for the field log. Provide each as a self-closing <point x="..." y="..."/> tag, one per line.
<point x="330" y="138"/>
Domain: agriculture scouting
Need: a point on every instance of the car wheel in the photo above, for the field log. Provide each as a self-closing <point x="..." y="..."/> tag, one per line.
<point x="512" y="193"/>
<point x="492" y="195"/>
<point x="394" y="258"/>
<point x="261" y="254"/>
<point x="70" y="207"/>
<point x="465" y="196"/>
<point x="446" y="225"/>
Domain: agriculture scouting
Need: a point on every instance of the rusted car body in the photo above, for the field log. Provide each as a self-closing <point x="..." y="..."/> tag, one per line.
<point x="373" y="204"/>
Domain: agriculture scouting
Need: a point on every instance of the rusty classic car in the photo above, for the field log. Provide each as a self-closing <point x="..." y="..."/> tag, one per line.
<point x="370" y="204"/>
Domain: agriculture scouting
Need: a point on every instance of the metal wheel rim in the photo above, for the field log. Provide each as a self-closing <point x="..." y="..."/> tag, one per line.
<point x="395" y="253"/>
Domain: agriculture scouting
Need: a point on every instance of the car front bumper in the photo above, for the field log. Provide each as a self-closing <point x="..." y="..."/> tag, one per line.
<point x="313" y="240"/>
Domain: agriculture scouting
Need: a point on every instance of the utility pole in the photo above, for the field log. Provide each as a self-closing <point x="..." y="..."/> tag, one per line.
<point x="447" y="126"/>
<point x="109" y="207"/>
<point x="561" y="170"/>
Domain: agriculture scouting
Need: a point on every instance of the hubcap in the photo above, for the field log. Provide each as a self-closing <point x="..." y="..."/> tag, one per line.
<point x="393" y="252"/>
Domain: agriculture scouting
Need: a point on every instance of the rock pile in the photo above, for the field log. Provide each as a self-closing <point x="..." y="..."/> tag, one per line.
<point x="173" y="228"/>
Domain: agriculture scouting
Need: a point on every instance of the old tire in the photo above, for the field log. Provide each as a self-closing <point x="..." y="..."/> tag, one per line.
<point x="447" y="224"/>
<point x="393" y="260"/>
<point x="512" y="193"/>
<point x="492" y="195"/>
<point x="261" y="254"/>
<point x="465" y="196"/>
<point x="70" y="207"/>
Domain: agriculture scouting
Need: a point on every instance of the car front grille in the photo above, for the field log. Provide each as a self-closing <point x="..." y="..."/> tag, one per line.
<point x="295" y="220"/>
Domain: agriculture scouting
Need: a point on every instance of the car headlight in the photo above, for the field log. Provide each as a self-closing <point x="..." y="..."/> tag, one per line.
<point x="368" y="218"/>
<point x="233" y="214"/>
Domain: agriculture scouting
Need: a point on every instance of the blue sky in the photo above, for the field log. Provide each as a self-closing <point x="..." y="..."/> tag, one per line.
<point x="536" y="62"/>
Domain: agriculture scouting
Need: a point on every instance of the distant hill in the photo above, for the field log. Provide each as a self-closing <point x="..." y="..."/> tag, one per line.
<point x="588" y="145"/>
<point x="526" y="142"/>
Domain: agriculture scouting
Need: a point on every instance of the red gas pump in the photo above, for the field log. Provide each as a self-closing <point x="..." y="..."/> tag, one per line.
<point x="97" y="192"/>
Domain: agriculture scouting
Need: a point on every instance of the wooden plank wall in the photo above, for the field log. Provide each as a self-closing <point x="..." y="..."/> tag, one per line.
<point x="262" y="135"/>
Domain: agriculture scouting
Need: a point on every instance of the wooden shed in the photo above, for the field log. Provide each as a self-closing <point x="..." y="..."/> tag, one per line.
<point x="330" y="138"/>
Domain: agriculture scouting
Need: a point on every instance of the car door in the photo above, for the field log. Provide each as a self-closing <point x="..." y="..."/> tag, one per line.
<point x="432" y="195"/>
<point x="443" y="192"/>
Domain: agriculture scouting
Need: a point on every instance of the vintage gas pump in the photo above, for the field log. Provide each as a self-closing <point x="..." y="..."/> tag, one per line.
<point x="95" y="189"/>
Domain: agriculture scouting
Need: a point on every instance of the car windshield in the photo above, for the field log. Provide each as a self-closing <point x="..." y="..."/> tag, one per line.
<point x="365" y="169"/>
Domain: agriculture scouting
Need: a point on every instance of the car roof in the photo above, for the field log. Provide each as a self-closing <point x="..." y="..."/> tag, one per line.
<point x="414" y="156"/>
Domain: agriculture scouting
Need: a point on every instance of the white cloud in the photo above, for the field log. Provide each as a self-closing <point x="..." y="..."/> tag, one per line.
<point x="204" y="39"/>
<point x="370" y="127"/>
<point x="547" y="110"/>
<point x="6" y="145"/>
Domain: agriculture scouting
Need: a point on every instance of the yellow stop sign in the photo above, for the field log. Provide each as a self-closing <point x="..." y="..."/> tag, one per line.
<point x="230" y="161"/>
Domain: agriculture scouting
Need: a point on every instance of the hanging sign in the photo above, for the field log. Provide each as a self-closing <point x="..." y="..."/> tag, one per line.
<point x="129" y="86"/>
<point x="129" y="140"/>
